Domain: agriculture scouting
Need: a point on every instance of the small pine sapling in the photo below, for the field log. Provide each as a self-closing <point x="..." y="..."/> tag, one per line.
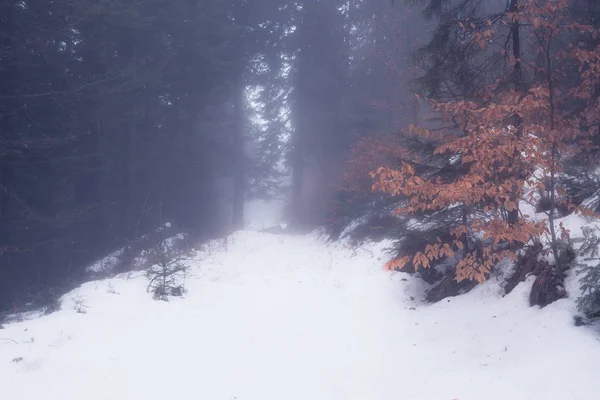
<point x="589" y="243"/>
<point x="589" y="302"/>
<point x="79" y="304"/>
<point x="589" y="250"/>
<point x="168" y="271"/>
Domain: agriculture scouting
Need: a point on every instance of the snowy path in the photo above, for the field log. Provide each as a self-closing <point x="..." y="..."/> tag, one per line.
<point x="283" y="318"/>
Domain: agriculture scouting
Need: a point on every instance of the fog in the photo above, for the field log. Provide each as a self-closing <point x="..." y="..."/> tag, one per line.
<point x="214" y="116"/>
<point x="116" y="118"/>
<point x="276" y="180"/>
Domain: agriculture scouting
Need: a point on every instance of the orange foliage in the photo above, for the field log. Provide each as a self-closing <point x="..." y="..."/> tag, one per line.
<point x="494" y="179"/>
<point x="500" y="159"/>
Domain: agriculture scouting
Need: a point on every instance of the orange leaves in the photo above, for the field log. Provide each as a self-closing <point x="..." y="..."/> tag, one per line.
<point x="447" y="251"/>
<point x="383" y="173"/>
<point x="407" y="169"/>
<point x="499" y="231"/>
<point x="432" y="251"/>
<point x="469" y="268"/>
<point x="488" y="163"/>
<point x="420" y="260"/>
<point x="389" y="181"/>
<point x="459" y="231"/>
<point x="477" y="267"/>
<point x="417" y="131"/>
<point x="397" y="264"/>
<point x="491" y="155"/>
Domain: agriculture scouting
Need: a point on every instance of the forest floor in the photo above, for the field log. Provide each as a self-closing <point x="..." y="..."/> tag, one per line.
<point x="273" y="317"/>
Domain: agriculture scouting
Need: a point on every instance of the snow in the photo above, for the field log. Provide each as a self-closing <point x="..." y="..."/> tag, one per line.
<point x="290" y="317"/>
<point x="353" y="225"/>
<point x="105" y="264"/>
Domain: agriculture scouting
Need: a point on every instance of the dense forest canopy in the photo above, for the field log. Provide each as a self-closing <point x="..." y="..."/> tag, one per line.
<point x="119" y="116"/>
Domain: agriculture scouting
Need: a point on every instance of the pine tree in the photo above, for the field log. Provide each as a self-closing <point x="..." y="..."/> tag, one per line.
<point x="319" y="73"/>
<point x="115" y="117"/>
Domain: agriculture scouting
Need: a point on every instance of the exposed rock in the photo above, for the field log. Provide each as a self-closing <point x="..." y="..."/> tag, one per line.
<point x="431" y="275"/>
<point x="528" y="263"/>
<point x="549" y="283"/>
<point x="177" y="291"/>
<point x="449" y="287"/>
<point x="548" y="287"/>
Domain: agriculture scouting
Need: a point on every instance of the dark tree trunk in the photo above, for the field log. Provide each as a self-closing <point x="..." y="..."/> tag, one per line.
<point x="238" y="149"/>
<point x="515" y="31"/>
<point x="131" y="212"/>
<point x="239" y="89"/>
<point x="298" y="161"/>
<point x="6" y="111"/>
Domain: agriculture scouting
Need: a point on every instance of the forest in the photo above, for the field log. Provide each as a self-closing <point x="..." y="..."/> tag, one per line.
<point x="461" y="129"/>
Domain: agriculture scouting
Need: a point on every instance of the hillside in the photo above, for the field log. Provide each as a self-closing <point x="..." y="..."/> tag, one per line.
<point x="290" y="317"/>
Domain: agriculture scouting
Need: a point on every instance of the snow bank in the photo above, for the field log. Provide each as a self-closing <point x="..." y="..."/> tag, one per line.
<point x="106" y="264"/>
<point x="161" y="237"/>
<point x="289" y="317"/>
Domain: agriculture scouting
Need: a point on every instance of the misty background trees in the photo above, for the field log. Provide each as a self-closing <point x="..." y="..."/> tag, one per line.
<point x="119" y="116"/>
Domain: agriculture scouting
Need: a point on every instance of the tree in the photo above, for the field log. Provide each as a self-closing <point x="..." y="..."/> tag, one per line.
<point x="481" y="138"/>
<point x="319" y="74"/>
<point x="168" y="269"/>
<point x="115" y="117"/>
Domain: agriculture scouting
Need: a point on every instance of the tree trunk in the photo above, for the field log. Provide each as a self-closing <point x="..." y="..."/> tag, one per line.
<point x="513" y="215"/>
<point x="6" y="32"/>
<point x="553" y="161"/>
<point x="130" y="208"/>
<point x="239" y="93"/>
<point x="465" y="221"/>
<point x="297" y="176"/>
<point x="554" y="242"/>
<point x="238" y="149"/>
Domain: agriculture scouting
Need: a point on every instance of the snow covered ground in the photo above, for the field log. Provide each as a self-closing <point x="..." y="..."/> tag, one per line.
<point x="289" y="317"/>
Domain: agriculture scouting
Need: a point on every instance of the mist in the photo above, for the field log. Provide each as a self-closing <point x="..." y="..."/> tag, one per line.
<point x="312" y="199"/>
<point x="117" y="118"/>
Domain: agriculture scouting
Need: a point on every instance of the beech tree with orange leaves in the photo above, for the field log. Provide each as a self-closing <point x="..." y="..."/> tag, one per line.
<point x="508" y="140"/>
